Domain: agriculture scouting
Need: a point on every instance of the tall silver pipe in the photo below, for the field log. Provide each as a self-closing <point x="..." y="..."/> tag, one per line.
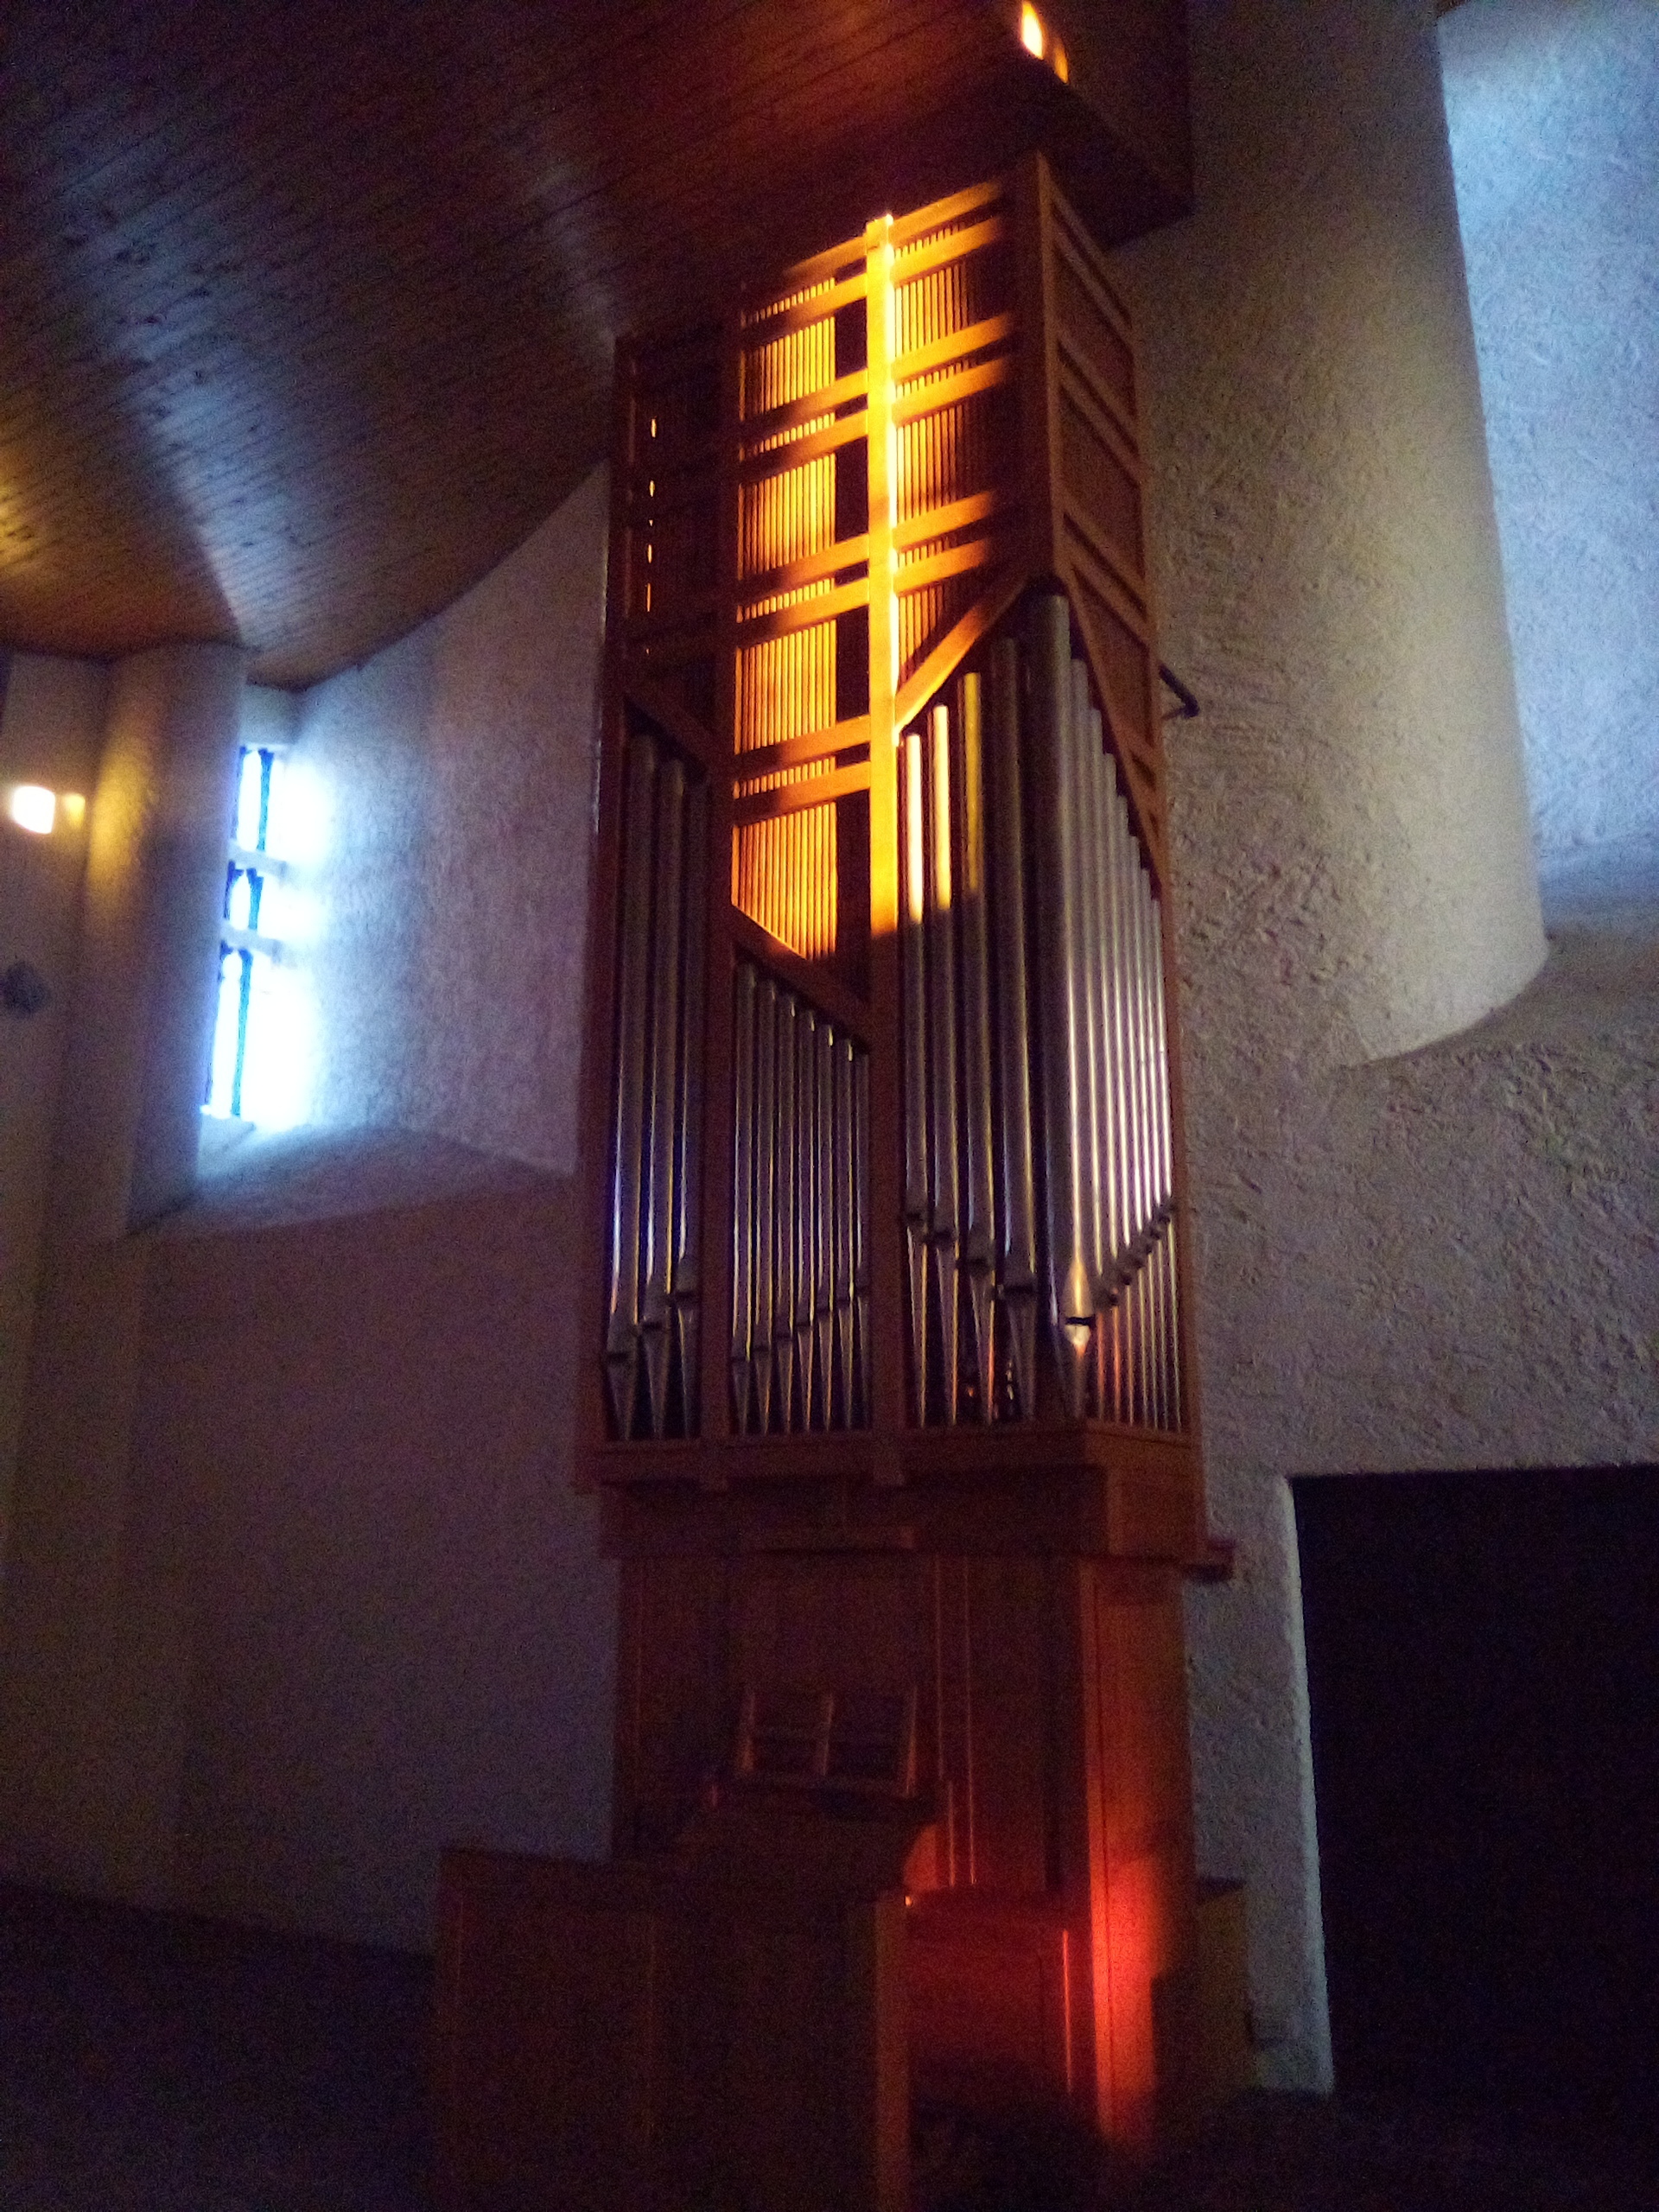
<point x="942" y="1052"/>
<point x="1134" y="1090"/>
<point x="806" y="1205"/>
<point x="1172" y="1272"/>
<point x="785" y="1215"/>
<point x="1091" y="966"/>
<point x="863" y="1362"/>
<point x="1164" y="1145"/>
<point x="1110" y="1096"/>
<point x="912" y="947"/>
<point x="766" y="1166"/>
<point x="1123" y="1169"/>
<point x="823" y="1194"/>
<point x="1071" y="1294"/>
<point x="1017" y="1218"/>
<point x="688" y="1181"/>
<point x="1149" y="1197"/>
<point x="979" y="1222"/>
<point x="744" y="1024"/>
<point x="627" y="1158"/>
<point x="845" y="1137"/>
<point x="664" y="1091"/>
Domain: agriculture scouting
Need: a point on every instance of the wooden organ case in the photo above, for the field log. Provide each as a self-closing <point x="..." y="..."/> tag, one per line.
<point x="891" y="1400"/>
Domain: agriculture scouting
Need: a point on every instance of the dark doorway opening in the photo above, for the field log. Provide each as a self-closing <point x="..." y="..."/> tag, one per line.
<point x="1482" y="1657"/>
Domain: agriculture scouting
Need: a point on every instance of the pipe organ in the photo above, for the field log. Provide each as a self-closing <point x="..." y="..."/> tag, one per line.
<point x="885" y="683"/>
<point x="890" y="1398"/>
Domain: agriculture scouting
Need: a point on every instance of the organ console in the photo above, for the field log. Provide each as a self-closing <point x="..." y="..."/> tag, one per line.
<point x="890" y="1396"/>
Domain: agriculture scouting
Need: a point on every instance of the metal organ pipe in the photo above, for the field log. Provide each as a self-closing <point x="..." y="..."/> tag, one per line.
<point x="912" y="949"/>
<point x="627" y="1147"/>
<point x="941" y="970"/>
<point x="652" y="1322"/>
<point x="977" y="1010"/>
<point x="665" y="1101"/>
<point x="687" y="1180"/>
<point x="1063" y="1028"/>
<point x="743" y="1036"/>
<point x="800" y="1214"/>
<point x="786" y="1214"/>
<point x="979" y="1226"/>
<point x="1016" y="1200"/>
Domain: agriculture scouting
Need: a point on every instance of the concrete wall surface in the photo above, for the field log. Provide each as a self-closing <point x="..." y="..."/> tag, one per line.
<point x="1554" y="124"/>
<point x="1416" y="1247"/>
<point x="299" y="1588"/>
<point x="51" y="732"/>
<point x="440" y="823"/>
<point x="324" y="1599"/>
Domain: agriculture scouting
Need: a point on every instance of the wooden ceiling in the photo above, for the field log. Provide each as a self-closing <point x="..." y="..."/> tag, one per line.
<point x="307" y="311"/>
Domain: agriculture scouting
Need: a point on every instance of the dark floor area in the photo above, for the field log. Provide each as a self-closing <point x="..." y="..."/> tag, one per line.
<point x="150" y="2063"/>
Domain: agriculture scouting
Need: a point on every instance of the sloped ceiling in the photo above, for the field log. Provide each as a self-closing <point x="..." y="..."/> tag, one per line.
<point x="306" y="312"/>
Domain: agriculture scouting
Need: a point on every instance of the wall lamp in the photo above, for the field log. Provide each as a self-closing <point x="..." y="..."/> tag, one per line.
<point x="34" y="808"/>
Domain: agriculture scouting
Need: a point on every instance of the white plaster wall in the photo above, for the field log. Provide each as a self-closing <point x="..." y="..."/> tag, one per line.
<point x="1411" y="1252"/>
<point x="299" y="1587"/>
<point x="441" y="824"/>
<point x="51" y="732"/>
<point x="142" y="1020"/>
<point x="1555" y="125"/>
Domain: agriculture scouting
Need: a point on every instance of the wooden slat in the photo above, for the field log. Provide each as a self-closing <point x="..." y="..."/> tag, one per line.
<point x="1099" y="407"/>
<point x="958" y="514"/>
<point x="842" y="392"/>
<point x="956" y="645"/>
<point x="950" y="390"/>
<point x="795" y="751"/>
<point x="794" y="798"/>
<point x="767" y="583"/>
<point x="955" y="246"/>
<point x="802" y="614"/>
<point x="306" y="321"/>
<point x="819" y="986"/>
<point x="955" y="345"/>
<point x="906" y="229"/>
<point x="813" y="446"/>
<point x="766" y="329"/>
<point x="675" y="721"/>
<point x="955" y="561"/>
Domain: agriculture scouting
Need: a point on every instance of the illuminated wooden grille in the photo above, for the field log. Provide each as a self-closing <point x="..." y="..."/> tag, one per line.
<point x="879" y="621"/>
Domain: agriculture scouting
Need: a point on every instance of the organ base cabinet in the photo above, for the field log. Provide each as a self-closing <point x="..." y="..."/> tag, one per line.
<point x="890" y="1398"/>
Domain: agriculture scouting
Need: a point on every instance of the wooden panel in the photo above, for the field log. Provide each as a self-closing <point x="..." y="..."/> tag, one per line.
<point x="636" y="2035"/>
<point x="305" y="322"/>
<point x="1009" y="1626"/>
<point x="544" y="2041"/>
<point x="989" y="2004"/>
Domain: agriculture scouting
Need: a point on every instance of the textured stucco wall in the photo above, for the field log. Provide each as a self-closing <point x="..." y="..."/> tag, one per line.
<point x="1554" y="124"/>
<point x="1411" y="1252"/>
<point x="51" y="731"/>
<point x="442" y="820"/>
<point x="142" y="1021"/>
<point x="299" y="1587"/>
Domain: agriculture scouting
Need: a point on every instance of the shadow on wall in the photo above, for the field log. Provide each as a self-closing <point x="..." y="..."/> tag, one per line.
<point x="348" y="1606"/>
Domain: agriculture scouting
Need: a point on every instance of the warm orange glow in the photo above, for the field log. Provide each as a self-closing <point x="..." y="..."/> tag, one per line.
<point x="1037" y="39"/>
<point x="74" y="808"/>
<point x="34" y="808"/>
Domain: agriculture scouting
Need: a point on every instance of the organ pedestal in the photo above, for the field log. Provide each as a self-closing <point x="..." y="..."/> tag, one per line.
<point x="891" y="1399"/>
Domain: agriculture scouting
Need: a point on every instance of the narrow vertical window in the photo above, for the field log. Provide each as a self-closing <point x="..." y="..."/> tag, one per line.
<point x="249" y="950"/>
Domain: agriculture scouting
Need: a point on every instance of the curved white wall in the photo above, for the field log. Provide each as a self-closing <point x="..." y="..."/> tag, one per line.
<point x="1353" y="869"/>
<point x="1330" y="570"/>
<point x="1555" y="122"/>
